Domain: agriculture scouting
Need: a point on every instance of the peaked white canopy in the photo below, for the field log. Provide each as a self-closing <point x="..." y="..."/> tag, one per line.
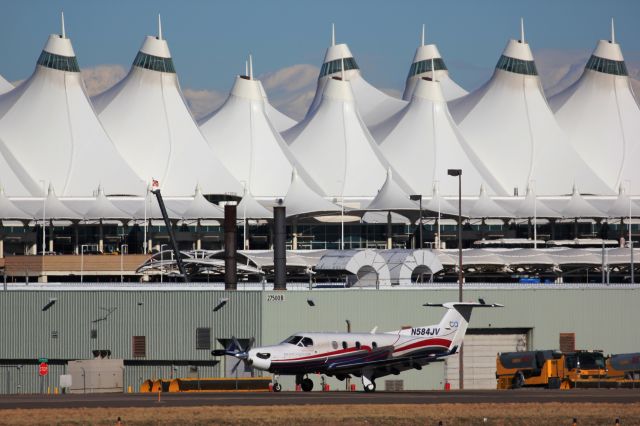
<point x="55" y="209"/>
<point x="146" y="116"/>
<point x="577" y="207"/>
<point x="374" y="105"/>
<point x="280" y="121"/>
<point x="437" y="203"/>
<point x="485" y="207"/>
<point x="5" y="86"/>
<point x="392" y="197"/>
<point x="103" y="208"/>
<point x="427" y="55"/>
<point x="8" y="210"/>
<point x="200" y="208"/>
<point x="600" y="110"/>
<point x="510" y="127"/>
<point x="246" y="141"/>
<point x="49" y="132"/>
<point x="532" y="207"/>
<point x="301" y="199"/>
<point x="335" y="148"/>
<point x="250" y="208"/>
<point x="423" y="141"/>
<point x="622" y="206"/>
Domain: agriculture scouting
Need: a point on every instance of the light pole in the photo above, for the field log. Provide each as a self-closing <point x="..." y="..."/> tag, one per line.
<point x="418" y="197"/>
<point x="631" y="244"/>
<point x="122" y="247"/>
<point x="458" y="173"/>
<point x="82" y="247"/>
<point x="144" y="243"/>
<point x="44" y="216"/>
<point x="162" y="261"/>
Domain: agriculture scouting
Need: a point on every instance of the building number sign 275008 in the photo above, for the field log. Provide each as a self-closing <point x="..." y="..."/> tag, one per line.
<point x="275" y="298"/>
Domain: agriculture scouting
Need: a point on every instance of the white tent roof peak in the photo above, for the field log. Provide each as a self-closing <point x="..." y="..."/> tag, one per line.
<point x="103" y="208"/>
<point x="391" y="196"/>
<point x="532" y="207"/>
<point x="622" y="206"/>
<point x="247" y="88"/>
<point x="201" y="208"/>
<point x="608" y="50"/>
<point x="59" y="45"/>
<point x="485" y="207"/>
<point x="155" y="47"/>
<point x="577" y="206"/>
<point x="250" y="208"/>
<point x="279" y="120"/>
<point x="301" y="199"/>
<point x="518" y="50"/>
<point x="56" y="209"/>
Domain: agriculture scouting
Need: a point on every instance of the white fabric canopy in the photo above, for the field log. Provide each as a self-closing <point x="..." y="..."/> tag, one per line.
<point x="373" y="105"/>
<point x="49" y="131"/>
<point x="8" y="210"/>
<point x="280" y="121"/>
<point x="5" y="86"/>
<point x="510" y="127"/>
<point x="250" y="208"/>
<point x="485" y="207"/>
<point x="302" y="200"/>
<point x="392" y="197"/>
<point x="335" y="147"/>
<point x="532" y="207"/>
<point x="247" y="143"/>
<point x="103" y="208"/>
<point x="55" y="209"/>
<point x="149" y="122"/>
<point x="424" y="54"/>
<point x="579" y="207"/>
<point x="200" y="208"/>
<point x="600" y="110"/>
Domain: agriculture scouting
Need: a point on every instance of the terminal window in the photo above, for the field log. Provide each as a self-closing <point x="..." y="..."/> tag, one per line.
<point x="203" y="338"/>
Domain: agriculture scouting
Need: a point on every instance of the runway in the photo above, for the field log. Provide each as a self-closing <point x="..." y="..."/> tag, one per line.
<point x="621" y="396"/>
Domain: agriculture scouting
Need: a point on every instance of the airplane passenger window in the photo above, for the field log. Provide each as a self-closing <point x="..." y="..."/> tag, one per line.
<point x="306" y="342"/>
<point x="357" y="345"/>
<point x="344" y="345"/>
<point x="334" y="344"/>
<point x="374" y="345"/>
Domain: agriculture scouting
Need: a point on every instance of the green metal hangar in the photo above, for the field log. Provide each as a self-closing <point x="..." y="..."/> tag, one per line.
<point x="168" y="331"/>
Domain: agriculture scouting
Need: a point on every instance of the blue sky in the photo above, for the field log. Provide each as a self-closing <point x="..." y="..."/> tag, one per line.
<point x="209" y="40"/>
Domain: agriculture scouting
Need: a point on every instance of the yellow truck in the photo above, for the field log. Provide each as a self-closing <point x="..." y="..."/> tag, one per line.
<point x="515" y="370"/>
<point x="557" y="370"/>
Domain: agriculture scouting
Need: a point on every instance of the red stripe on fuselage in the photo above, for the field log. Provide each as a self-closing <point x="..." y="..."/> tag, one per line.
<point x="426" y="342"/>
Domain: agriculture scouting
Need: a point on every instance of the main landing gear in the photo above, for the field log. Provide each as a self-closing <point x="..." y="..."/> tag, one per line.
<point x="368" y="384"/>
<point x="306" y="384"/>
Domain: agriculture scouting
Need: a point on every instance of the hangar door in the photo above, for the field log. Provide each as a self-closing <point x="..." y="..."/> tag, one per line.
<point x="480" y="350"/>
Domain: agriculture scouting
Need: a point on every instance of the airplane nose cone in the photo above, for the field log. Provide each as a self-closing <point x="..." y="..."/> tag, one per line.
<point x="259" y="359"/>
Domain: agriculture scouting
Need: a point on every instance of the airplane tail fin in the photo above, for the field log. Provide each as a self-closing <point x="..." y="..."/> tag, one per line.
<point x="456" y="319"/>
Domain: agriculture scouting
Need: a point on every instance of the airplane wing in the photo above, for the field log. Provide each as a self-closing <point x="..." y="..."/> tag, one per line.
<point x="387" y="366"/>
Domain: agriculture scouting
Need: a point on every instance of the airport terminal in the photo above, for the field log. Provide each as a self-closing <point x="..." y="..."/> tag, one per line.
<point x="247" y="227"/>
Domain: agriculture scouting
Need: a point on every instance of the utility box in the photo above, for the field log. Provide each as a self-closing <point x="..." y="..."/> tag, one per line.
<point x="96" y="375"/>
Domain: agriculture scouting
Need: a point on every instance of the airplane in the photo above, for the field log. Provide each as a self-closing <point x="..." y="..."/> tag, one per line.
<point x="365" y="355"/>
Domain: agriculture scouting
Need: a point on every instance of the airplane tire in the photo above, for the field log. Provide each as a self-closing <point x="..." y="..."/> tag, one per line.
<point x="518" y="380"/>
<point x="277" y="387"/>
<point x="307" y="385"/>
<point x="370" y="388"/>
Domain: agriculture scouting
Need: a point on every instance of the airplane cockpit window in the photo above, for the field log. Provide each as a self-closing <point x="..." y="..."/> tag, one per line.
<point x="306" y="342"/>
<point x="294" y="340"/>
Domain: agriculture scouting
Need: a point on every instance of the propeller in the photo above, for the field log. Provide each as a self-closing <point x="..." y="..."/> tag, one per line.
<point x="236" y="350"/>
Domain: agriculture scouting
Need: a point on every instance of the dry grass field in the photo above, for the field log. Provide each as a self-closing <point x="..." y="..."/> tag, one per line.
<point x="410" y="414"/>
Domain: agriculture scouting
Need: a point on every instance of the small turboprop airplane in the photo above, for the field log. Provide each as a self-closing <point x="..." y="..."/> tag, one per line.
<point x="365" y="355"/>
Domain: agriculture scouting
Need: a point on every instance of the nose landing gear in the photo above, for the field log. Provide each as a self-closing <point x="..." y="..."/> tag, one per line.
<point x="368" y="384"/>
